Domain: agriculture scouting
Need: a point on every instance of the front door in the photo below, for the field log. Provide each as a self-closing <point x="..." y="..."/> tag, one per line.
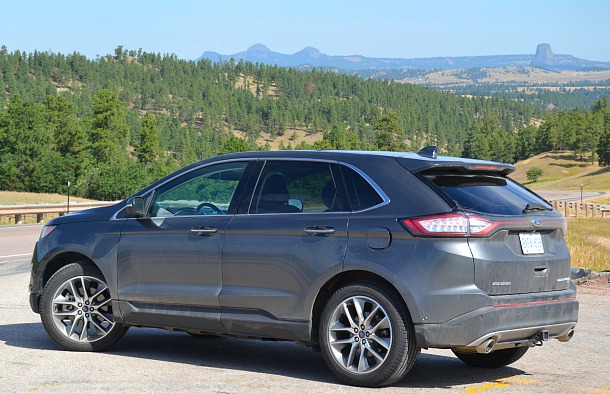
<point x="169" y="261"/>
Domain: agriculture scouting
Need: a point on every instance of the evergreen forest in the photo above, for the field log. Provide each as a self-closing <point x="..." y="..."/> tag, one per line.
<point x="113" y="124"/>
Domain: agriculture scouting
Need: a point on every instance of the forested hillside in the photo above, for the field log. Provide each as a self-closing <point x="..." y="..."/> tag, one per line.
<point x="111" y="125"/>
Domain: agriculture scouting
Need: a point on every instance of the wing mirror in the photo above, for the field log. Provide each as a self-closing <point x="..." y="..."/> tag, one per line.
<point x="135" y="207"/>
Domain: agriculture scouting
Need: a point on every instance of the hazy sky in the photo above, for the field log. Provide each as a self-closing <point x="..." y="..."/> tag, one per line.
<point x="405" y="29"/>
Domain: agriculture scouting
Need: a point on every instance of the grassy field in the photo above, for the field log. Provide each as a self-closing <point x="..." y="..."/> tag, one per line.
<point x="589" y="243"/>
<point x="564" y="171"/>
<point x="17" y="198"/>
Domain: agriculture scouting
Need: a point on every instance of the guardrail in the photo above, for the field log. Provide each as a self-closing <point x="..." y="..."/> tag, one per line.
<point x="581" y="210"/>
<point x="19" y="212"/>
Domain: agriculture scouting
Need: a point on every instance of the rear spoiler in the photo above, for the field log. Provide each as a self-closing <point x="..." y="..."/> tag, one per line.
<point x="435" y="163"/>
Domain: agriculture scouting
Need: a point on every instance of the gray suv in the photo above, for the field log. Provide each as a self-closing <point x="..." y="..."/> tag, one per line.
<point x="367" y="257"/>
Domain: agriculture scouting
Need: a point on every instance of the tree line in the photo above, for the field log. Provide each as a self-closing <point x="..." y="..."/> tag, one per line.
<point x="585" y="132"/>
<point x="113" y="124"/>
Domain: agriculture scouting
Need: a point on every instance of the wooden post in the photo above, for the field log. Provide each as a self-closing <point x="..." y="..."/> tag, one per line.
<point x="18" y="219"/>
<point x="39" y="218"/>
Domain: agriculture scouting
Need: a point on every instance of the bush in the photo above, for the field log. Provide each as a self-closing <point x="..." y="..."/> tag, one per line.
<point x="534" y="173"/>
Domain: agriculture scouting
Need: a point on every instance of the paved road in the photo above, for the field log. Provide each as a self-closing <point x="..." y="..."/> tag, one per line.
<point x="149" y="360"/>
<point x="569" y="195"/>
<point x="18" y="240"/>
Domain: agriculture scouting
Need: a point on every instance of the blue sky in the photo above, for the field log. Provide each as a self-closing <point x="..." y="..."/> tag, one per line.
<point x="406" y="29"/>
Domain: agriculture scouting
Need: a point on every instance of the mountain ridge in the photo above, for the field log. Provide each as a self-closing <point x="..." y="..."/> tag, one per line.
<point x="312" y="57"/>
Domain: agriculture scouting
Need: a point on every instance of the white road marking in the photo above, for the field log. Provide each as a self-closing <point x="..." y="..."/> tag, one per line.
<point x="15" y="255"/>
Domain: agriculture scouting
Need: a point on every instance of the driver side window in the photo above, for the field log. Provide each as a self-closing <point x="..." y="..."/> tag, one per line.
<point x="207" y="191"/>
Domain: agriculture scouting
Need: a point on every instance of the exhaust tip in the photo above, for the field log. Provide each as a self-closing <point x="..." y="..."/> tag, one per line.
<point x="487" y="346"/>
<point x="567" y="336"/>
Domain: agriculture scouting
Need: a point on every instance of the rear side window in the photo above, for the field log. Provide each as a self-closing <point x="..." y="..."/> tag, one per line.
<point x="361" y="194"/>
<point x="486" y="193"/>
<point x="296" y="186"/>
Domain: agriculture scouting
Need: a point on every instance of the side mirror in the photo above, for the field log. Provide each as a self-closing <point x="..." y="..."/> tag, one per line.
<point x="135" y="207"/>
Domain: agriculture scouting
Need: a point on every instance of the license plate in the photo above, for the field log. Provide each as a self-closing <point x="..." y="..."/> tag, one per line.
<point x="531" y="243"/>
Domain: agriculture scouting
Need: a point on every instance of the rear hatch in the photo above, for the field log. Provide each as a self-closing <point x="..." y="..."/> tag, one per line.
<point x="516" y="238"/>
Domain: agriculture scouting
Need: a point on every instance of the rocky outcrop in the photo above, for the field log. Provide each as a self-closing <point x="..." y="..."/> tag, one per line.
<point x="544" y="56"/>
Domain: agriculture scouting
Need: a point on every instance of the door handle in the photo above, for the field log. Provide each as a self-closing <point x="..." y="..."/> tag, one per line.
<point x="206" y="230"/>
<point x="320" y="230"/>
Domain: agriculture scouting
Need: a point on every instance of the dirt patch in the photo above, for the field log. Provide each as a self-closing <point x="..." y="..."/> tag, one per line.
<point x="594" y="283"/>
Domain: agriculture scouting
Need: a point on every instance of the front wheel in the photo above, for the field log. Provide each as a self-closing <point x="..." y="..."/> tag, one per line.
<point x="76" y="309"/>
<point x="367" y="338"/>
<point x="494" y="359"/>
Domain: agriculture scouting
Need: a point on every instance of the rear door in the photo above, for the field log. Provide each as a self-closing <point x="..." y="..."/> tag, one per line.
<point x="288" y="241"/>
<point x="521" y="246"/>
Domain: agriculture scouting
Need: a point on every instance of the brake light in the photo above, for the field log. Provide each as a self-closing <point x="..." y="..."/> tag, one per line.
<point x="449" y="225"/>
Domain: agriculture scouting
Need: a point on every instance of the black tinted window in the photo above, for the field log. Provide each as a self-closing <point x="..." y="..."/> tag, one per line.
<point x="486" y="193"/>
<point x="296" y="186"/>
<point x="361" y="194"/>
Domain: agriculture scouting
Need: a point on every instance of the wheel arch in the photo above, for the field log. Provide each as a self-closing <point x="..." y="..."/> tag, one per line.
<point x="338" y="281"/>
<point x="61" y="260"/>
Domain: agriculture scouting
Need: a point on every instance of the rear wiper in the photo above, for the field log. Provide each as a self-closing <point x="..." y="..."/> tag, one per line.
<point x="536" y="207"/>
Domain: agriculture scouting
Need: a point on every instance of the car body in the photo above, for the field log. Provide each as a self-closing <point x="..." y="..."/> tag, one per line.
<point x="368" y="256"/>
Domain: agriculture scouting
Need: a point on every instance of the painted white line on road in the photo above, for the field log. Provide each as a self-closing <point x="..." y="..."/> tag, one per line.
<point x="15" y="255"/>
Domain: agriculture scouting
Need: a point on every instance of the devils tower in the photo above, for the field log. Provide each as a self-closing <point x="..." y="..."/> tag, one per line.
<point x="544" y="56"/>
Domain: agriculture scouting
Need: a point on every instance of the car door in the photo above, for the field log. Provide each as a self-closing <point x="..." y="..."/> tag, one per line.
<point x="169" y="261"/>
<point x="289" y="240"/>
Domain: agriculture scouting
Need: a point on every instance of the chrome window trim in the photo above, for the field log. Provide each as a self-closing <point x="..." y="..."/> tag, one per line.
<point x="301" y="159"/>
<point x="379" y="190"/>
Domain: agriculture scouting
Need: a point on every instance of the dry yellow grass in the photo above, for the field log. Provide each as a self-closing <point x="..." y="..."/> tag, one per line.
<point x="589" y="243"/>
<point x="19" y="198"/>
<point x="563" y="171"/>
<point x="16" y="198"/>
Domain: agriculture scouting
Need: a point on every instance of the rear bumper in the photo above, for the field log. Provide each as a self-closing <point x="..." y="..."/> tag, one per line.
<point x="509" y="321"/>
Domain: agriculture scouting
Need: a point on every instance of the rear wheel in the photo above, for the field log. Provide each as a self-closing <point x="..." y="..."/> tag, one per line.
<point x="76" y="309"/>
<point x="367" y="338"/>
<point x="494" y="359"/>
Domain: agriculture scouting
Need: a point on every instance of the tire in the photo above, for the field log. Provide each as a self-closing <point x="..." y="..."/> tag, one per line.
<point x="76" y="309"/>
<point x="366" y="335"/>
<point x="494" y="359"/>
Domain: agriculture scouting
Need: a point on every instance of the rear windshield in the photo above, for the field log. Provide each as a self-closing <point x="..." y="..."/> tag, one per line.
<point x="487" y="193"/>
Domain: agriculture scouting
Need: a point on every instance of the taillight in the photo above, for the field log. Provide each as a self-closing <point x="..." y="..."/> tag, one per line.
<point x="449" y="225"/>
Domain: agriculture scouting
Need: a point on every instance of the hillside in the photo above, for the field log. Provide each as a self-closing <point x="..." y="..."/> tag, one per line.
<point x="563" y="170"/>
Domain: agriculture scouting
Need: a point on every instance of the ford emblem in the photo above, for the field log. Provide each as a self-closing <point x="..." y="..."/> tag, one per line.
<point x="537" y="222"/>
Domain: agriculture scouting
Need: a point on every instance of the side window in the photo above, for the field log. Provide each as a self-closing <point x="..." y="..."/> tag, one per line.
<point x="361" y="194"/>
<point x="207" y="191"/>
<point x="295" y="186"/>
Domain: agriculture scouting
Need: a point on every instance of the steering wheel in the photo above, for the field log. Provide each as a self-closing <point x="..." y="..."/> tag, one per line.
<point x="208" y="205"/>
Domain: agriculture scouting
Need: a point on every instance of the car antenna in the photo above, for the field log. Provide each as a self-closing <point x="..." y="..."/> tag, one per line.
<point x="429" y="151"/>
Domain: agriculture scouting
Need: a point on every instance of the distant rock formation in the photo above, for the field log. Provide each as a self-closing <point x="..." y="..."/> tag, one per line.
<point x="544" y="56"/>
<point x="309" y="57"/>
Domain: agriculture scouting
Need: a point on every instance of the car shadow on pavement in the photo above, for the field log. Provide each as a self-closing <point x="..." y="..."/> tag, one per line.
<point x="279" y="358"/>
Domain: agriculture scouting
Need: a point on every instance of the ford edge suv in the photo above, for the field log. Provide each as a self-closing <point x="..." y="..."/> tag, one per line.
<point x="367" y="257"/>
